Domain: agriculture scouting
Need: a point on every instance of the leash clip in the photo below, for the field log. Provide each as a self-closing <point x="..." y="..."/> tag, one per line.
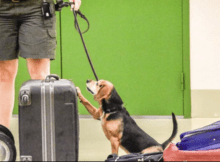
<point x="15" y="1"/>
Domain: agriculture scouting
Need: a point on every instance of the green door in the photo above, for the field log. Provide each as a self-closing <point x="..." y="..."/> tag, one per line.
<point x="23" y="74"/>
<point x="137" y="45"/>
<point x="141" y="47"/>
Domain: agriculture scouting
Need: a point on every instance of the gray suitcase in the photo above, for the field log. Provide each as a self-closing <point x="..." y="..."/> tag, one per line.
<point x="48" y="120"/>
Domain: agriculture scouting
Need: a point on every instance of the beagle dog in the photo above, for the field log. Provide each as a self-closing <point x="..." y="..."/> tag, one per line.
<point x="119" y="127"/>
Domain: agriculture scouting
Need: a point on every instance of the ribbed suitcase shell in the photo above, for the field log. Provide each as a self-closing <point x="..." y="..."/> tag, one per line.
<point x="48" y="121"/>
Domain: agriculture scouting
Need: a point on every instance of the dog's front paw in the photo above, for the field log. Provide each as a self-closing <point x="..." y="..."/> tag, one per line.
<point x="79" y="94"/>
<point x="78" y="91"/>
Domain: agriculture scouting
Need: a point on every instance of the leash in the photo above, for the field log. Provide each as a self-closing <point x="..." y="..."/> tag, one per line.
<point x="80" y="33"/>
<point x="83" y="17"/>
<point x="59" y="5"/>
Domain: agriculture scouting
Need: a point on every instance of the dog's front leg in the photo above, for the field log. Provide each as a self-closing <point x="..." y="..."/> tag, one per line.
<point x="96" y="113"/>
<point x="115" y="143"/>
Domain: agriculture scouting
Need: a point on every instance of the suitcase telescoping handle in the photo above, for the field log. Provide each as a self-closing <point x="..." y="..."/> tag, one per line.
<point x="49" y="77"/>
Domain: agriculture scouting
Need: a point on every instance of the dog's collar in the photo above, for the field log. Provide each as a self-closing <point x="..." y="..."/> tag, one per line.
<point x="112" y="109"/>
<point x="114" y="104"/>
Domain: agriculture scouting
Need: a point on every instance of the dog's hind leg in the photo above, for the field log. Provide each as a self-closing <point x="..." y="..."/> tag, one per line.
<point x="152" y="149"/>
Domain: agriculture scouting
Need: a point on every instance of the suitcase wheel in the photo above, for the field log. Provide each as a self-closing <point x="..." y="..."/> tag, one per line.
<point x="7" y="132"/>
<point x="7" y="148"/>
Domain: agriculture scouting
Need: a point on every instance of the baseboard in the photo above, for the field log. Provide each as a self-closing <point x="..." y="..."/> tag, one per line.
<point x="205" y="103"/>
<point x="133" y="116"/>
<point x="137" y="117"/>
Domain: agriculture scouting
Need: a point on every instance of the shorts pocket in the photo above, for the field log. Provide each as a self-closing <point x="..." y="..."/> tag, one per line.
<point x="52" y="33"/>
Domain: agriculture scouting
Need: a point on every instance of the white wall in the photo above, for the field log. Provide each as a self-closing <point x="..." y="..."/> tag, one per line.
<point x="205" y="44"/>
<point x="205" y="57"/>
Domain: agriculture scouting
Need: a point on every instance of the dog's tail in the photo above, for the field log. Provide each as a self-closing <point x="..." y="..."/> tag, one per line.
<point x="166" y="143"/>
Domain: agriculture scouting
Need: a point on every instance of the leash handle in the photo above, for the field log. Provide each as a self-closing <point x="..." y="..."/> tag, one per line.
<point x="80" y="33"/>
<point x="83" y="17"/>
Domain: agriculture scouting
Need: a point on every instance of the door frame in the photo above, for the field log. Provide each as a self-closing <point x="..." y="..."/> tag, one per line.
<point x="186" y="59"/>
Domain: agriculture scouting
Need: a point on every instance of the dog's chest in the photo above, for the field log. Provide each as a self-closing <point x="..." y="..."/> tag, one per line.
<point x="112" y="127"/>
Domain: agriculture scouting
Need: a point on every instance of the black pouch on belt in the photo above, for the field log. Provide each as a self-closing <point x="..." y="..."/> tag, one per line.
<point x="46" y="10"/>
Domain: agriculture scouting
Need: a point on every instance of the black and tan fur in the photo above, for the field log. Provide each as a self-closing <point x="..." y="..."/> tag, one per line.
<point x="120" y="129"/>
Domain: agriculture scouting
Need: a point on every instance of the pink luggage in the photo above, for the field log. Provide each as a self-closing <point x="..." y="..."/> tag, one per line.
<point x="172" y="153"/>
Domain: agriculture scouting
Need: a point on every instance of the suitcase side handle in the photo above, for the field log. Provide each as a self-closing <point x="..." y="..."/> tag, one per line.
<point x="48" y="78"/>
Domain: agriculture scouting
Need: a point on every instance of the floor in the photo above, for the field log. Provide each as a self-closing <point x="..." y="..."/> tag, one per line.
<point x="95" y="147"/>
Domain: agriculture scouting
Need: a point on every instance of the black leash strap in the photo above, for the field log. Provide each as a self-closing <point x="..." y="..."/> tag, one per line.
<point x="80" y="33"/>
<point x="83" y="17"/>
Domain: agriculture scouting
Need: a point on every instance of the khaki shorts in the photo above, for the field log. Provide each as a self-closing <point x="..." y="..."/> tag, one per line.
<point x="24" y="32"/>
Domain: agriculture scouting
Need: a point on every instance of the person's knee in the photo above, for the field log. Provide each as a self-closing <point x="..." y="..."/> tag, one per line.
<point x="8" y="71"/>
<point x="38" y="68"/>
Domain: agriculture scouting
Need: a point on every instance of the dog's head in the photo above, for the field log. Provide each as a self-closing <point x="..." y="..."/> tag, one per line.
<point x="100" y="89"/>
<point x="103" y="89"/>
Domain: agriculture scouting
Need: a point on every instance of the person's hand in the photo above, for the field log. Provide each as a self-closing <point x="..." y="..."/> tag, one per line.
<point x="76" y="6"/>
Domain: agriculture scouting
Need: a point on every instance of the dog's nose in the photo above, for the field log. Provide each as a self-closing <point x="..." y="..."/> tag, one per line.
<point x="88" y="81"/>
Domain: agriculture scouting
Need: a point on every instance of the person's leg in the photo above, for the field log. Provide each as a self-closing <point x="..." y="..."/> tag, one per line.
<point x="37" y="39"/>
<point x="8" y="60"/>
<point x="8" y="71"/>
<point x="38" y="68"/>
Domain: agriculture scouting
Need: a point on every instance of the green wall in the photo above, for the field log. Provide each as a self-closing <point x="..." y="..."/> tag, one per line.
<point x="138" y="46"/>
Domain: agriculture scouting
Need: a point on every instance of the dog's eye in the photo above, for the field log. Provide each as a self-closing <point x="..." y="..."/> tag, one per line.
<point x="100" y="86"/>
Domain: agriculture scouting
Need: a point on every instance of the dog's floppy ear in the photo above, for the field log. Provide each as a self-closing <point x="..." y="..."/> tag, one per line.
<point x="115" y="98"/>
